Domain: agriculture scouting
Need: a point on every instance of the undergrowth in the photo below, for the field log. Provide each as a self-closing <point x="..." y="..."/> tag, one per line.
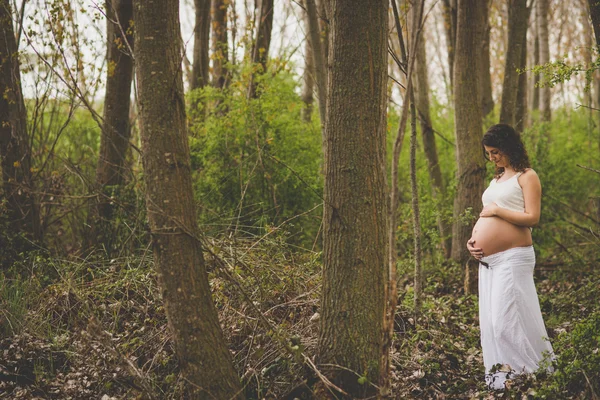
<point x="98" y="328"/>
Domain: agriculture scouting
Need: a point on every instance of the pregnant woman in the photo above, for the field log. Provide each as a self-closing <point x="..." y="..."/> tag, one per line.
<point x="513" y="335"/>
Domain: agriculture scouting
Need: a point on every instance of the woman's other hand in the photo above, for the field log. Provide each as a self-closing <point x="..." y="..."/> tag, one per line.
<point x="489" y="210"/>
<point x="476" y="252"/>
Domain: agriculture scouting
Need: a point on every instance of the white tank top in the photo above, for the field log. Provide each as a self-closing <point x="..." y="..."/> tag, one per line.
<point x="507" y="194"/>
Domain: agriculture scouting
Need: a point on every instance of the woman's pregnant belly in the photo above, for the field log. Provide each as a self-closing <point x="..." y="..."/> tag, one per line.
<point x="493" y="235"/>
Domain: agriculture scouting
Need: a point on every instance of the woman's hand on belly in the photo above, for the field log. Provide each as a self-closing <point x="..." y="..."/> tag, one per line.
<point x="476" y="252"/>
<point x="489" y="211"/>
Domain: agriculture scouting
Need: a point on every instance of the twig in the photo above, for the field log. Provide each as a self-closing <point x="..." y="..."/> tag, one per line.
<point x="588" y="168"/>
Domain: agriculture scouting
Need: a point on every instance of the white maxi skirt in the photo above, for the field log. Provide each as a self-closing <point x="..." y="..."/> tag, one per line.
<point x="513" y="333"/>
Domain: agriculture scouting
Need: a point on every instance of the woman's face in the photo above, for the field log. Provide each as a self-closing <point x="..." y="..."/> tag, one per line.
<point x="497" y="157"/>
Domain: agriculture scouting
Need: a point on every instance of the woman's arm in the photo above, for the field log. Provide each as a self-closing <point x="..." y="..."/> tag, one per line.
<point x="532" y="194"/>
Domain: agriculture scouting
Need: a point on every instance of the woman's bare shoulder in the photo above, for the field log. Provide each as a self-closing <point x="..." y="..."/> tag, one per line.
<point x="528" y="177"/>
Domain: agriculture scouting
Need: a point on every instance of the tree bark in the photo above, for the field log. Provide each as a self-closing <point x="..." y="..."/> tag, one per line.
<point x="219" y="43"/>
<point x="260" y="50"/>
<point x="542" y="21"/>
<point x="112" y="170"/>
<point x="22" y="210"/>
<point x="428" y="136"/>
<point x="308" y="78"/>
<point x="535" y="90"/>
<point x="468" y="126"/>
<point x="450" y="14"/>
<point x="595" y="15"/>
<point x="318" y="60"/>
<point x="354" y="224"/>
<point x="521" y="106"/>
<point x="485" y="77"/>
<point x="200" y="76"/>
<point x="199" y="345"/>
<point x="200" y="63"/>
<point x="518" y="16"/>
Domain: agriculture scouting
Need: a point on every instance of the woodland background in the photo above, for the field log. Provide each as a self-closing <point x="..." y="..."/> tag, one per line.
<point x="144" y="171"/>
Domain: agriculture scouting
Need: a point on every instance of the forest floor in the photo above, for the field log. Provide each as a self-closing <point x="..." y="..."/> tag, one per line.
<point x="96" y="329"/>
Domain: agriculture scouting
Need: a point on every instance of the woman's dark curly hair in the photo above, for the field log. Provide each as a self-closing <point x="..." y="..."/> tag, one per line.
<point x="508" y="141"/>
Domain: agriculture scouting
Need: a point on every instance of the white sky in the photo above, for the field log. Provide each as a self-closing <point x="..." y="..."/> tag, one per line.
<point x="288" y="39"/>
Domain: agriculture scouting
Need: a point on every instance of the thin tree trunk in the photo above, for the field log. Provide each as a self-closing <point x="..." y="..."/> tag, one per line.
<point x="309" y="79"/>
<point x="595" y="15"/>
<point x="450" y="14"/>
<point x="200" y="72"/>
<point x="23" y="214"/>
<point x="521" y="106"/>
<point x="219" y="43"/>
<point x="391" y="299"/>
<point x="198" y="341"/>
<point x="112" y="170"/>
<point x="318" y="60"/>
<point x="429" y="145"/>
<point x="518" y="16"/>
<point x="354" y="226"/>
<point x="324" y="26"/>
<point x="260" y="50"/>
<point x="535" y="98"/>
<point x="485" y="77"/>
<point x="542" y="20"/>
<point x="468" y="127"/>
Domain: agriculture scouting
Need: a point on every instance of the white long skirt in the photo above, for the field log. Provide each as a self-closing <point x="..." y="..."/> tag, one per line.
<point x="513" y="334"/>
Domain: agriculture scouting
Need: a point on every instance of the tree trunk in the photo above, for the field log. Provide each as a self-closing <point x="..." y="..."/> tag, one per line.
<point x="309" y="79"/>
<point x="535" y="90"/>
<point x="200" y="71"/>
<point x="542" y="20"/>
<point x="219" y="43"/>
<point x="318" y="60"/>
<point x="450" y="14"/>
<point x="485" y="76"/>
<point x="260" y="50"/>
<point x="521" y="106"/>
<point x="518" y="16"/>
<point x="429" y="145"/>
<point x="111" y="171"/>
<point x="199" y="345"/>
<point x="595" y="15"/>
<point x="324" y="26"/>
<point x="354" y="223"/>
<point x="468" y="127"/>
<point x="23" y="215"/>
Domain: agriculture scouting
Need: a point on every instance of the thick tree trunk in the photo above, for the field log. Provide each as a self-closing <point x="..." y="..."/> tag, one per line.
<point x="111" y="171"/>
<point x="219" y="43"/>
<point x="23" y="215"/>
<point x="521" y="106"/>
<point x="450" y="14"/>
<point x="468" y="126"/>
<point x="518" y="16"/>
<point x="260" y="50"/>
<point x="308" y="78"/>
<point x="429" y="145"/>
<point x="354" y="221"/>
<point x="542" y="21"/>
<point x="485" y="76"/>
<point x="199" y="345"/>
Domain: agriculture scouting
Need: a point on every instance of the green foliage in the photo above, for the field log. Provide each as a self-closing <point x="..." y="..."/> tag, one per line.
<point x="561" y="70"/>
<point x="256" y="164"/>
<point x="568" y="191"/>
<point x="577" y="367"/>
